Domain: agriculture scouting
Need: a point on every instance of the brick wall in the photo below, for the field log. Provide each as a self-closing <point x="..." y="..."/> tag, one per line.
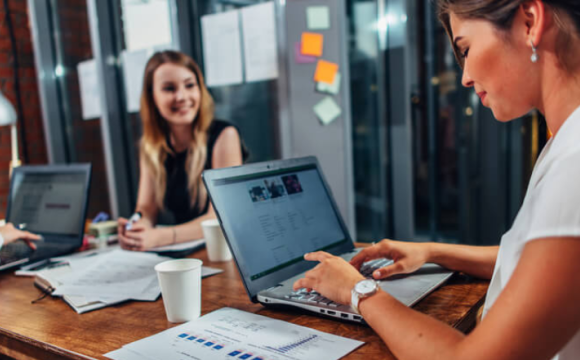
<point x="87" y="140"/>
<point x="31" y="117"/>
<point x="88" y="144"/>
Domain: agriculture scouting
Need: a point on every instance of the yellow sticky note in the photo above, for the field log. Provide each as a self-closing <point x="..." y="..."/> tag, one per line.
<point x="325" y="72"/>
<point x="312" y="44"/>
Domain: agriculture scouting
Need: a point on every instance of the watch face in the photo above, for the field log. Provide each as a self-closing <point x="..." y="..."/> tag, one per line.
<point x="365" y="286"/>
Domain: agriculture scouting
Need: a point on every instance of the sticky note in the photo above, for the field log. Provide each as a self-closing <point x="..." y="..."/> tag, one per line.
<point x="312" y="44"/>
<point x="333" y="88"/>
<point x="325" y="72"/>
<point x="318" y="17"/>
<point x="302" y="59"/>
<point x="327" y="110"/>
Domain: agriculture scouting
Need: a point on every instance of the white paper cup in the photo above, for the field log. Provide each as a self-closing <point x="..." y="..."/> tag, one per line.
<point x="180" y="282"/>
<point x="215" y="242"/>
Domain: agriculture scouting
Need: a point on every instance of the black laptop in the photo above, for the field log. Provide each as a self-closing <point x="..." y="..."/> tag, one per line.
<point x="272" y="213"/>
<point x="49" y="200"/>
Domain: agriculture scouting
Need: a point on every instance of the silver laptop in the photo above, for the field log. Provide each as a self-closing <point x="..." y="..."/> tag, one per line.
<point x="272" y="213"/>
<point x="49" y="200"/>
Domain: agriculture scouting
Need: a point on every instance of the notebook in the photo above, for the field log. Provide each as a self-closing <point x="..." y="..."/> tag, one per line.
<point x="49" y="200"/>
<point x="272" y="213"/>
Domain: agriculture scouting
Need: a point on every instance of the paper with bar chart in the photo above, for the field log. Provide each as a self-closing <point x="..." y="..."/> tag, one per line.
<point x="234" y="334"/>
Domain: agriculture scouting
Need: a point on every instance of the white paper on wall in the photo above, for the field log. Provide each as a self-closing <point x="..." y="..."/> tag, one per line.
<point x="260" y="45"/>
<point x="222" y="53"/>
<point x="89" y="88"/>
<point x="133" y="69"/>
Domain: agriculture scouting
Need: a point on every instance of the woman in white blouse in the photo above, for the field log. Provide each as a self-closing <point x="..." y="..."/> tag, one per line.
<point x="518" y="55"/>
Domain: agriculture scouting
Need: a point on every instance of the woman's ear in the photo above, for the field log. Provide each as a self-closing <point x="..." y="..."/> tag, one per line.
<point x="534" y="17"/>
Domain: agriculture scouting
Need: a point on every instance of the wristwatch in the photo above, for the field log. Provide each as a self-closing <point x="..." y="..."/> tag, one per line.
<point x="363" y="289"/>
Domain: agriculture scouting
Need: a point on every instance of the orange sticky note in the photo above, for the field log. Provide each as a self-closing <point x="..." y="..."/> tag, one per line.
<point x="312" y="44"/>
<point x="325" y="72"/>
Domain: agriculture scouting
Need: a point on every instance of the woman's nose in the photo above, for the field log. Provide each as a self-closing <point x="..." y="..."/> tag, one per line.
<point x="179" y="94"/>
<point x="466" y="80"/>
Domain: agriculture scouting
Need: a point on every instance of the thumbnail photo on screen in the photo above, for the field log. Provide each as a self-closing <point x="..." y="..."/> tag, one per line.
<point x="292" y="184"/>
<point x="258" y="192"/>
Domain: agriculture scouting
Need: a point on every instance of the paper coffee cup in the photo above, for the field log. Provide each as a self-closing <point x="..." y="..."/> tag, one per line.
<point x="215" y="242"/>
<point x="180" y="282"/>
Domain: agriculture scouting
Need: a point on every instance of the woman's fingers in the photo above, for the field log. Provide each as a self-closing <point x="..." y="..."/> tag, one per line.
<point x="307" y="283"/>
<point x="31" y="244"/>
<point x="395" y="268"/>
<point x="367" y="254"/>
<point x="317" y="256"/>
<point x="25" y="235"/>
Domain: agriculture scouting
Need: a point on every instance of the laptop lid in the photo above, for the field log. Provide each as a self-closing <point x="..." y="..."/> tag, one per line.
<point x="272" y="213"/>
<point x="52" y="201"/>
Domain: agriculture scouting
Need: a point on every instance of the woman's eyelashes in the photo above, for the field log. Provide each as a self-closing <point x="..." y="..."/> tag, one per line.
<point x="172" y="88"/>
<point x="464" y="53"/>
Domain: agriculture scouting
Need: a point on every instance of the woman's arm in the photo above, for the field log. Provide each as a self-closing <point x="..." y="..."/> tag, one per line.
<point x="148" y="207"/>
<point x="408" y="257"/>
<point x="478" y="261"/>
<point x="536" y="314"/>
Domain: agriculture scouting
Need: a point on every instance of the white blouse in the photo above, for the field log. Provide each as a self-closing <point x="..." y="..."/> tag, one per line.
<point x="551" y="208"/>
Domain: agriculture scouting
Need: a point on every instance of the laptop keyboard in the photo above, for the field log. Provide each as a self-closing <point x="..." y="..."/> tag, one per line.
<point x="312" y="297"/>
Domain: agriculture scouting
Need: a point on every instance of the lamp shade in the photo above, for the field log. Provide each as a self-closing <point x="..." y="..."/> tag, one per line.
<point x="7" y="113"/>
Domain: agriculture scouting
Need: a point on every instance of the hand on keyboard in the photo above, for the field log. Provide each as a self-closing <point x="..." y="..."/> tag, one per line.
<point x="407" y="258"/>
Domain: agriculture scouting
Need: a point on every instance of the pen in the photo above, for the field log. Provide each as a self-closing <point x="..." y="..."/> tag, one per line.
<point x="133" y="219"/>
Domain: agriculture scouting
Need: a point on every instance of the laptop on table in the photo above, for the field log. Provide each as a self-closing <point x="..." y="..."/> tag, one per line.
<point x="272" y="213"/>
<point x="49" y="200"/>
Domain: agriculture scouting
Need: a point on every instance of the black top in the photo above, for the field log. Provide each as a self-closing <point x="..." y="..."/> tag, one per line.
<point x="178" y="208"/>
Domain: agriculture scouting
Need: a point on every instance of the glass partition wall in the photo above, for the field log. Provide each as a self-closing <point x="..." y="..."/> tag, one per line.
<point x="431" y="163"/>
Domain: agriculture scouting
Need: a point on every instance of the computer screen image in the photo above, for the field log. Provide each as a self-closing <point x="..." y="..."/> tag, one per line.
<point x="279" y="217"/>
<point x="48" y="202"/>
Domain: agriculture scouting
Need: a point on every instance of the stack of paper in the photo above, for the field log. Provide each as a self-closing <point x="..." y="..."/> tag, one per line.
<point x="234" y="334"/>
<point x="105" y="279"/>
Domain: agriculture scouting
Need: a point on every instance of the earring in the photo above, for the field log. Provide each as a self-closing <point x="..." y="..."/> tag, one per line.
<point x="535" y="55"/>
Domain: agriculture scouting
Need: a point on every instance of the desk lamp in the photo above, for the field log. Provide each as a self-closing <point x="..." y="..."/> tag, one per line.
<point x="8" y="117"/>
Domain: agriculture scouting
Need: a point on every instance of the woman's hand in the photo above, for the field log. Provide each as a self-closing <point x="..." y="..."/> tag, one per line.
<point x="333" y="278"/>
<point x="407" y="257"/>
<point x="141" y="236"/>
<point x="10" y="234"/>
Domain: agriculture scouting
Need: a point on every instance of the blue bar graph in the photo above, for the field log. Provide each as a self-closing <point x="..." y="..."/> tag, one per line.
<point x="289" y="347"/>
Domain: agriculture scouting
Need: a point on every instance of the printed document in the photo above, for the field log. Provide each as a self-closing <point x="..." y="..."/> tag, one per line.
<point x="222" y="53"/>
<point x="234" y="334"/>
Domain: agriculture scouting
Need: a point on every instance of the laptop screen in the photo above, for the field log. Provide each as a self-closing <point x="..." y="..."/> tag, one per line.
<point x="48" y="203"/>
<point x="272" y="218"/>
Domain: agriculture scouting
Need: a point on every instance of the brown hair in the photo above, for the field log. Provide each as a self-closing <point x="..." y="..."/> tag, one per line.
<point x="154" y="147"/>
<point x="501" y="13"/>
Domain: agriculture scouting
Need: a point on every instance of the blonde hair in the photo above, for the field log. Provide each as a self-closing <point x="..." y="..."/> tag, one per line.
<point x="154" y="147"/>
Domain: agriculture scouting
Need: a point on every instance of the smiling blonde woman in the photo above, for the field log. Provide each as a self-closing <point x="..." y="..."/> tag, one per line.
<point x="180" y="139"/>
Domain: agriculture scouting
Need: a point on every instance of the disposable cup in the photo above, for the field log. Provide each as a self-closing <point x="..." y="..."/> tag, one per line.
<point x="180" y="282"/>
<point x="215" y="242"/>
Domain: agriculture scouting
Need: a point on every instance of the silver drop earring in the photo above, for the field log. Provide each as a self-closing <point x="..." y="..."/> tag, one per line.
<point x="535" y="56"/>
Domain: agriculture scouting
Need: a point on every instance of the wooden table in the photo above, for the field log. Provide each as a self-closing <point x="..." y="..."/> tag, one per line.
<point x="50" y="329"/>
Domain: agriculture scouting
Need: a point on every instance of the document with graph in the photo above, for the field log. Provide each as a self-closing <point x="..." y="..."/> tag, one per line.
<point x="234" y="334"/>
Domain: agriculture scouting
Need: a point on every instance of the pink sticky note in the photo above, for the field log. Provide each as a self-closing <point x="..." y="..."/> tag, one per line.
<point x="302" y="59"/>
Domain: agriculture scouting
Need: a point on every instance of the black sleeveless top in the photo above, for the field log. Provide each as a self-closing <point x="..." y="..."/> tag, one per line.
<point x="177" y="201"/>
